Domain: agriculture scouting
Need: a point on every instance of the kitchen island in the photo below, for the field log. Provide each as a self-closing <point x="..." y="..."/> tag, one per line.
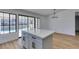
<point x="37" y="39"/>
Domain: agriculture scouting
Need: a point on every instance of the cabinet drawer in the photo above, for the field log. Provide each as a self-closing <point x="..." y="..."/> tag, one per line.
<point x="25" y="42"/>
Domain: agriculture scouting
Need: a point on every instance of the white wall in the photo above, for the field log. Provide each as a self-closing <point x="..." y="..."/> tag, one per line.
<point x="44" y="23"/>
<point x="65" y="23"/>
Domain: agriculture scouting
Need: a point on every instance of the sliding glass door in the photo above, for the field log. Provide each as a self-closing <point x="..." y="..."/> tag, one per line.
<point x="13" y="25"/>
<point x="1" y="23"/>
<point x="31" y="22"/>
<point x="7" y="23"/>
<point x="22" y="24"/>
<point x="37" y="23"/>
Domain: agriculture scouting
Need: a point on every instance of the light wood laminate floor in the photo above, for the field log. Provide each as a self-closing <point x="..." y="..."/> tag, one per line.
<point x="9" y="45"/>
<point x="60" y="41"/>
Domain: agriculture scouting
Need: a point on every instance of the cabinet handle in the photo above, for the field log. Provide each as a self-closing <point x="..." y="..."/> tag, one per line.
<point x="33" y="37"/>
<point x="33" y="45"/>
<point x="23" y="38"/>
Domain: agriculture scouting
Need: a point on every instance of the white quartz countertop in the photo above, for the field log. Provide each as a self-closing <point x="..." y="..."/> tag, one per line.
<point x="42" y="33"/>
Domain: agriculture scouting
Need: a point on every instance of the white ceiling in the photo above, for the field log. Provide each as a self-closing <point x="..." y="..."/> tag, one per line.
<point x="44" y="12"/>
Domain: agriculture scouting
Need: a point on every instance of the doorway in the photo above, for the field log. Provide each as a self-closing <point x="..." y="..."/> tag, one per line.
<point x="77" y="23"/>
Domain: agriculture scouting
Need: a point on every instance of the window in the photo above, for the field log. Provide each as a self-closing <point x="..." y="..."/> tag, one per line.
<point x="37" y="25"/>
<point x="31" y="23"/>
<point x="27" y="22"/>
<point x="22" y="24"/>
<point x="13" y="23"/>
<point x="1" y="23"/>
<point x="7" y="23"/>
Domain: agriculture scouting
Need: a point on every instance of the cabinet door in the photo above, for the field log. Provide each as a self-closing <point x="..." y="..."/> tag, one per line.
<point x="25" y="41"/>
<point x="36" y="42"/>
<point x="30" y="41"/>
